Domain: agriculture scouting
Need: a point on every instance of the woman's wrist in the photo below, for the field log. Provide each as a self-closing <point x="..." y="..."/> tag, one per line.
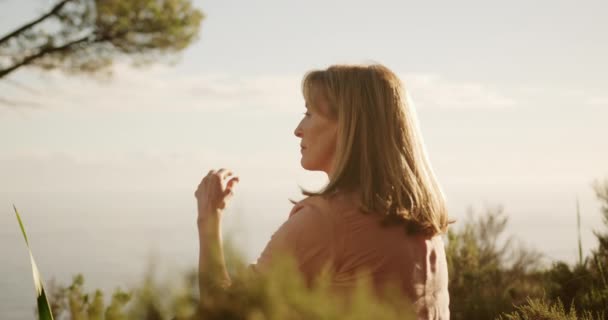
<point x="208" y="218"/>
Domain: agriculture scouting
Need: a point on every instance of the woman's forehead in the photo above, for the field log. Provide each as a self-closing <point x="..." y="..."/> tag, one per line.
<point x="317" y="101"/>
<point x="314" y="93"/>
<point x="311" y="91"/>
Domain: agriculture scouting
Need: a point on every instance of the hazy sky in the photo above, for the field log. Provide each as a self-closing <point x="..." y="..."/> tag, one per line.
<point x="512" y="100"/>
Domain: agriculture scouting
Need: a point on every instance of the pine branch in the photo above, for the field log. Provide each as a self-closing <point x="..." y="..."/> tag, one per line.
<point x="53" y="11"/>
<point x="44" y="51"/>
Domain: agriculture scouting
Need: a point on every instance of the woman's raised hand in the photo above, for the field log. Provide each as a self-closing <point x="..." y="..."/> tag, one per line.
<point x="214" y="191"/>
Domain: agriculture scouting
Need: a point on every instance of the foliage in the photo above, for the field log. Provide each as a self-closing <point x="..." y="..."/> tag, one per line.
<point x="585" y="285"/>
<point x="42" y="303"/>
<point x="85" y="36"/>
<point x="278" y="294"/>
<point x="601" y="192"/>
<point x="489" y="274"/>
<point x="541" y="310"/>
<point x="73" y="303"/>
<point x="489" y="277"/>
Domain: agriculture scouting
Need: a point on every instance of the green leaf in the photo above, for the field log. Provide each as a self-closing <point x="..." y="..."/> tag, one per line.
<point x="44" y="309"/>
<point x="22" y="228"/>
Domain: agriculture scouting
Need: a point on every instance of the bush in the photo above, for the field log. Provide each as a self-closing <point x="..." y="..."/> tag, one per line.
<point x="488" y="274"/>
<point x="541" y="310"/>
<point x="585" y="285"/>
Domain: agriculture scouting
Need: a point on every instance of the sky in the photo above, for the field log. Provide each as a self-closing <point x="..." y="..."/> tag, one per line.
<point x="511" y="97"/>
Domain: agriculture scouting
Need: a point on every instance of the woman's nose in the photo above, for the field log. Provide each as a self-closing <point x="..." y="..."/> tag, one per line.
<point x="298" y="131"/>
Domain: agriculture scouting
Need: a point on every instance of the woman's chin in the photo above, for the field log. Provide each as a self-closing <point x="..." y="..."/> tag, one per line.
<point x="305" y="165"/>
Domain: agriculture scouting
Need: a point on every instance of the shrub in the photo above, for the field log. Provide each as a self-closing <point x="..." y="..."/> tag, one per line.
<point x="538" y="309"/>
<point x="489" y="274"/>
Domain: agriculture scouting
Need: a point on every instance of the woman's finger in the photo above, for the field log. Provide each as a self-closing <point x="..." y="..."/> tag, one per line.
<point x="228" y="193"/>
<point x="229" y="186"/>
<point x="232" y="181"/>
<point x="223" y="173"/>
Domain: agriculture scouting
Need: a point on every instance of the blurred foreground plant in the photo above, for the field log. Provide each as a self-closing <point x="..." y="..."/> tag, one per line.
<point x="42" y="303"/>
<point x="280" y="293"/>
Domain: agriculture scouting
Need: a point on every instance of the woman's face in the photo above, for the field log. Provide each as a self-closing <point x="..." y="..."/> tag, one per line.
<point x="318" y="134"/>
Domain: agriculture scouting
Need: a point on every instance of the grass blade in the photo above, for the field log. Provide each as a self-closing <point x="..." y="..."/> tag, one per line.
<point x="44" y="309"/>
<point x="578" y="225"/>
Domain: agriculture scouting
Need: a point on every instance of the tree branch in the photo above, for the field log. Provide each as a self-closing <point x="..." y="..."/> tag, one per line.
<point x="42" y="52"/>
<point x="53" y="11"/>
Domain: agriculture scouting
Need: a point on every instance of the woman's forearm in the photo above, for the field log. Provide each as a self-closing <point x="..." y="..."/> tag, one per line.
<point x="212" y="195"/>
<point x="212" y="266"/>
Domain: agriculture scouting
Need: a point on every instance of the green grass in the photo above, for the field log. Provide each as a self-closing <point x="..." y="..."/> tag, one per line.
<point x="44" y="309"/>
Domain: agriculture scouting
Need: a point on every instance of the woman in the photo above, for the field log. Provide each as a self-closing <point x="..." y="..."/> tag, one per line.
<point x="361" y="131"/>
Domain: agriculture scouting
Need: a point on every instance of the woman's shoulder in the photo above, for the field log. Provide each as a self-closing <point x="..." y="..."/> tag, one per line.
<point x="309" y="224"/>
<point x="311" y="205"/>
<point x="324" y="205"/>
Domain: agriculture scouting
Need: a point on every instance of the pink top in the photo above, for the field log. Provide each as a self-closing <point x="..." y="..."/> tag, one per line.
<point x="319" y="231"/>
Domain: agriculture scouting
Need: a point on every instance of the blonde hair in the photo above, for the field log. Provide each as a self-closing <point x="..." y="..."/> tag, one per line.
<point x="379" y="150"/>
